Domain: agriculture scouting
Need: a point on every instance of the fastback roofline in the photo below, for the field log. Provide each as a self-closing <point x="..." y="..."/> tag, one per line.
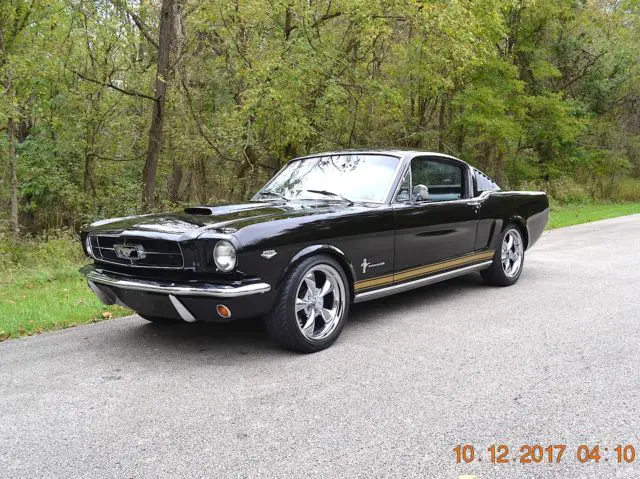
<point x="402" y="154"/>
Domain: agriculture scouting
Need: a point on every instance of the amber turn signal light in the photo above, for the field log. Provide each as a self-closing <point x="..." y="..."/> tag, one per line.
<point x="223" y="311"/>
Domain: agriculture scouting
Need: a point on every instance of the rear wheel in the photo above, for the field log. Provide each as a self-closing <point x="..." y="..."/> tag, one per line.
<point x="311" y="307"/>
<point x="508" y="262"/>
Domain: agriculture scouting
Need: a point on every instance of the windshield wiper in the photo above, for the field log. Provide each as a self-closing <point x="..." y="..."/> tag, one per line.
<point x="273" y="193"/>
<point x="331" y="193"/>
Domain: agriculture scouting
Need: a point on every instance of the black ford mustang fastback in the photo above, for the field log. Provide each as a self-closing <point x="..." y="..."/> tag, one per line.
<point x="327" y="231"/>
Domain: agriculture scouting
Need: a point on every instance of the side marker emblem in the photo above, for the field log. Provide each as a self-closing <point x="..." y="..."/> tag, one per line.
<point x="365" y="265"/>
<point x="268" y="254"/>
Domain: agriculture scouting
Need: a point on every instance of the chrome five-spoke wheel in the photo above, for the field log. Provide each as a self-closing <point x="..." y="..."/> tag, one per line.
<point x="319" y="302"/>
<point x="508" y="261"/>
<point x="312" y="305"/>
<point x="512" y="252"/>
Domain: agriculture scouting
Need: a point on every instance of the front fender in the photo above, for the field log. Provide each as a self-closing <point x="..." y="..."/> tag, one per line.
<point x="313" y="250"/>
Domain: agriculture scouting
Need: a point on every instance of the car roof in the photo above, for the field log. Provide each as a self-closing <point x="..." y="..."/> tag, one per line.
<point x="403" y="154"/>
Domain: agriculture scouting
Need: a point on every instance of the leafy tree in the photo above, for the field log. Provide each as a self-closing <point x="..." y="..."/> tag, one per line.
<point x="115" y="107"/>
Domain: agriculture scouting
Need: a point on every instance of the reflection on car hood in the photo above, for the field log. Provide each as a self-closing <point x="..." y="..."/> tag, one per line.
<point x="196" y="220"/>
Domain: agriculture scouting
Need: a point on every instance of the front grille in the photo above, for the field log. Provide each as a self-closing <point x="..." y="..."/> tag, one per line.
<point x="157" y="253"/>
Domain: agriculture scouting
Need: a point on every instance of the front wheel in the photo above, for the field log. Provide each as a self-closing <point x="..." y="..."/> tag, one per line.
<point x="311" y="307"/>
<point x="508" y="262"/>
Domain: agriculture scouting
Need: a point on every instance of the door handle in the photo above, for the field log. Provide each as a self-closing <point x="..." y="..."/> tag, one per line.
<point x="474" y="204"/>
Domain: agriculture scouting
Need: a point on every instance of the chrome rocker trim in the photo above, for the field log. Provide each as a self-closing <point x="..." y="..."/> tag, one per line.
<point x="436" y="278"/>
<point x="175" y="289"/>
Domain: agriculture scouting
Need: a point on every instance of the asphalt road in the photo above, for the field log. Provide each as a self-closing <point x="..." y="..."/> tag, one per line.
<point x="551" y="360"/>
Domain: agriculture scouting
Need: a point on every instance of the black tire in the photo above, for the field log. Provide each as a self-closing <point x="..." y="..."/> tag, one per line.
<point x="283" y="323"/>
<point x="164" y="321"/>
<point x="496" y="275"/>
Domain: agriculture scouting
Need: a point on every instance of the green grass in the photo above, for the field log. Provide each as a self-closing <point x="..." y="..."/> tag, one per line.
<point x="41" y="289"/>
<point x="577" y="214"/>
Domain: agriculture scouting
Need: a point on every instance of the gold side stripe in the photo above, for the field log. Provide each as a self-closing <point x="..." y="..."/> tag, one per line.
<point x="368" y="283"/>
<point x="432" y="268"/>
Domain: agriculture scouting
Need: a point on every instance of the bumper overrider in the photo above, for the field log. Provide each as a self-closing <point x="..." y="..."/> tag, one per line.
<point x="188" y="300"/>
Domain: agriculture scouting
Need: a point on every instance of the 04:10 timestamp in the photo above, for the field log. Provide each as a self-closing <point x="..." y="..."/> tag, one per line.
<point x="537" y="454"/>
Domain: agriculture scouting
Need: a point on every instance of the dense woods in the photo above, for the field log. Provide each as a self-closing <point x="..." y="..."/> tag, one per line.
<point x="115" y="107"/>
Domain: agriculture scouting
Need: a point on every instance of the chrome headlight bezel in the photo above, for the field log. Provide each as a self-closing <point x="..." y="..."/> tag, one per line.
<point x="225" y="256"/>
<point x="87" y="246"/>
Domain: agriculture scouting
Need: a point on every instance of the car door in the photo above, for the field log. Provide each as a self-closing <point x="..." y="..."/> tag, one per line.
<point x="433" y="229"/>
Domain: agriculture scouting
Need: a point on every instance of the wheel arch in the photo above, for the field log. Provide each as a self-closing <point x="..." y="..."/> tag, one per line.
<point x="329" y="250"/>
<point x="521" y="223"/>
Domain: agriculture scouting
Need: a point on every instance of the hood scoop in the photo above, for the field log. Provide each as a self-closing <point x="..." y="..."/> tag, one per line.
<point x="198" y="210"/>
<point x="217" y="210"/>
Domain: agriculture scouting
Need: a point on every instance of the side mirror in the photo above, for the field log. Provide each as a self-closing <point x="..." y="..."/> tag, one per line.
<point x="420" y="193"/>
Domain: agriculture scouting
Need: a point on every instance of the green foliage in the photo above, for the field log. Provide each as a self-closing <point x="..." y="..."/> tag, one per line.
<point x="55" y="251"/>
<point x="626" y="190"/>
<point x="41" y="289"/>
<point x="541" y="92"/>
<point x="565" y="191"/>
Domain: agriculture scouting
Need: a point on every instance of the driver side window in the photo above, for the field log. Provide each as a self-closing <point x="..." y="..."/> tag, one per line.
<point x="443" y="180"/>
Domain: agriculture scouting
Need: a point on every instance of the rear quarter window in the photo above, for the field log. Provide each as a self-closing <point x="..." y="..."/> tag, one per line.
<point x="482" y="182"/>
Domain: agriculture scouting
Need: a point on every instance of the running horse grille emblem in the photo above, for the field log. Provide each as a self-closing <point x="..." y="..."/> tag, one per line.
<point x="132" y="252"/>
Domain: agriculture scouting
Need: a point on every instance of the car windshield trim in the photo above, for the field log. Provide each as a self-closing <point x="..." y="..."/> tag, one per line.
<point x="385" y="198"/>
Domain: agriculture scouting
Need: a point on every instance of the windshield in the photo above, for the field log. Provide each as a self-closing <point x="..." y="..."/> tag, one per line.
<point x="355" y="177"/>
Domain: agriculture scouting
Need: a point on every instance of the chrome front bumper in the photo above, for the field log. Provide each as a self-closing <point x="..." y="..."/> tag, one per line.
<point x="106" y="286"/>
<point x="98" y="276"/>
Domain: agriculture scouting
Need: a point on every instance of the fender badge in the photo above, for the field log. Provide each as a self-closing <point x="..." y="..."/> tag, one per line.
<point x="365" y="264"/>
<point x="269" y="253"/>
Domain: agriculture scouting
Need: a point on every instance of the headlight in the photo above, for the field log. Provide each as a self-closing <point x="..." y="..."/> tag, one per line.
<point x="87" y="245"/>
<point x="224" y="254"/>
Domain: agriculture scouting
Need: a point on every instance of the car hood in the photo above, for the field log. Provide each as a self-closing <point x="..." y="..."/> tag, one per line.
<point x="194" y="221"/>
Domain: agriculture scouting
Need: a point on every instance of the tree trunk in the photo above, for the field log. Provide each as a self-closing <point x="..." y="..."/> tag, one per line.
<point x="89" y="161"/>
<point x="239" y="187"/>
<point x="168" y="12"/>
<point x="13" y="167"/>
